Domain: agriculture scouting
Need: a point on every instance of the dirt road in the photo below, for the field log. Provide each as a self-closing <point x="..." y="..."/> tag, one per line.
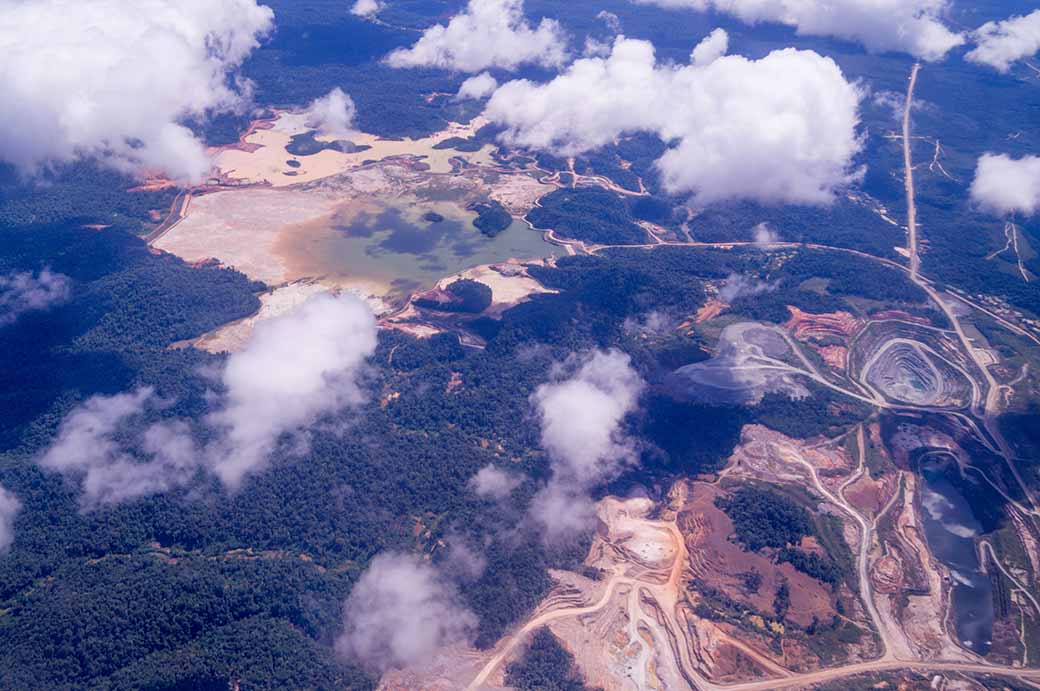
<point x="991" y="406"/>
<point x="510" y="644"/>
<point x="866" y="534"/>
<point x="911" y="209"/>
<point x="178" y="210"/>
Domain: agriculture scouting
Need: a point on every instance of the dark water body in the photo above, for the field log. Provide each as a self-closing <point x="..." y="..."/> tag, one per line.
<point x="950" y="527"/>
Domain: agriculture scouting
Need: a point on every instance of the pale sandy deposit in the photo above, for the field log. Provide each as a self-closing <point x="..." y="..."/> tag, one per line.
<point x="240" y="228"/>
<point x="264" y="158"/>
<point x="234" y="336"/>
<point x="509" y="282"/>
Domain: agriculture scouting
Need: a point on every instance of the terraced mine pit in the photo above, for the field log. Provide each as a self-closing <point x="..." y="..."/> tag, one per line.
<point x="910" y="372"/>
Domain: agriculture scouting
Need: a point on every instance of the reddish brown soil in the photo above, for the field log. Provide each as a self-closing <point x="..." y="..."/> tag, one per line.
<point x="836" y="357"/>
<point x="870" y="496"/>
<point x="718" y="562"/>
<point x="806" y="326"/>
<point x="709" y="310"/>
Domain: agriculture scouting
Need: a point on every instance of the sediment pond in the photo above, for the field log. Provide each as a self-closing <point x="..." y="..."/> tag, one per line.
<point x="402" y="243"/>
<point x="951" y="527"/>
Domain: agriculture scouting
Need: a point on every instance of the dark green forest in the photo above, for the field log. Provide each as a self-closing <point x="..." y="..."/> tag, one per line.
<point x="492" y="218"/>
<point x="466" y="295"/>
<point x="545" y="666"/>
<point x="589" y="214"/>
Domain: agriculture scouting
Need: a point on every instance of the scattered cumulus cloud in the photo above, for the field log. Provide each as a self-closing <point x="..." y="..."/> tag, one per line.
<point x="651" y="323"/>
<point x="781" y="129"/>
<point x="563" y="510"/>
<point x="581" y="415"/>
<point x="1005" y="185"/>
<point x="97" y="446"/>
<point x="295" y="369"/>
<point x="366" y="8"/>
<point x="22" y="292"/>
<point x="891" y="102"/>
<point x="740" y="286"/>
<point x="999" y="44"/>
<point x="332" y="114"/>
<point x="494" y="483"/>
<point x="489" y="33"/>
<point x="113" y="79"/>
<point x="464" y="561"/>
<point x="400" y="613"/>
<point x="478" y="87"/>
<point x="9" y="508"/>
<point x="908" y="26"/>
<point x="763" y="234"/>
<point x="710" y="49"/>
<point x="595" y="49"/>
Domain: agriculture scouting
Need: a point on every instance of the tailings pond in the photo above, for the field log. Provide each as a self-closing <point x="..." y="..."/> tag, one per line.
<point x="401" y="243"/>
<point x="951" y="528"/>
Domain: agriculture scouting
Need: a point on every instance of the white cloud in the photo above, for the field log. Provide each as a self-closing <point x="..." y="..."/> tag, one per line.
<point x="652" y="323"/>
<point x="489" y="33"/>
<point x="581" y="418"/>
<point x="113" y="79"/>
<point x="710" y="49"/>
<point x="399" y="613"/>
<point x="611" y="20"/>
<point x="464" y="562"/>
<point x="96" y="446"/>
<point x="763" y="234"/>
<point x="595" y="49"/>
<point x="999" y="44"/>
<point x="295" y="369"/>
<point x="22" y="292"/>
<point x="494" y="483"/>
<point x="778" y="129"/>
<point x="909" y="26"/>
<point x="478" y="87"/>
<point x="9" y="508"/>
<point x="1004" y="185"/>
<point x="563" y="511"/>
<point x="739" y="286"/>
<point x="366" y="8"/>
<point x="332" y="114"/>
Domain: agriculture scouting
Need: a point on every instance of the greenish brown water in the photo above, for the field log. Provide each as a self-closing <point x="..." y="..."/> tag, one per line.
<point x="389" y="242"/>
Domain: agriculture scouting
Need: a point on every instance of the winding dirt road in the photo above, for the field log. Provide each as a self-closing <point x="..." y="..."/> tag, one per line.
<point x="866" y="538"/>
<point x="509" y="645"/>
<point x="783" y="679"/>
